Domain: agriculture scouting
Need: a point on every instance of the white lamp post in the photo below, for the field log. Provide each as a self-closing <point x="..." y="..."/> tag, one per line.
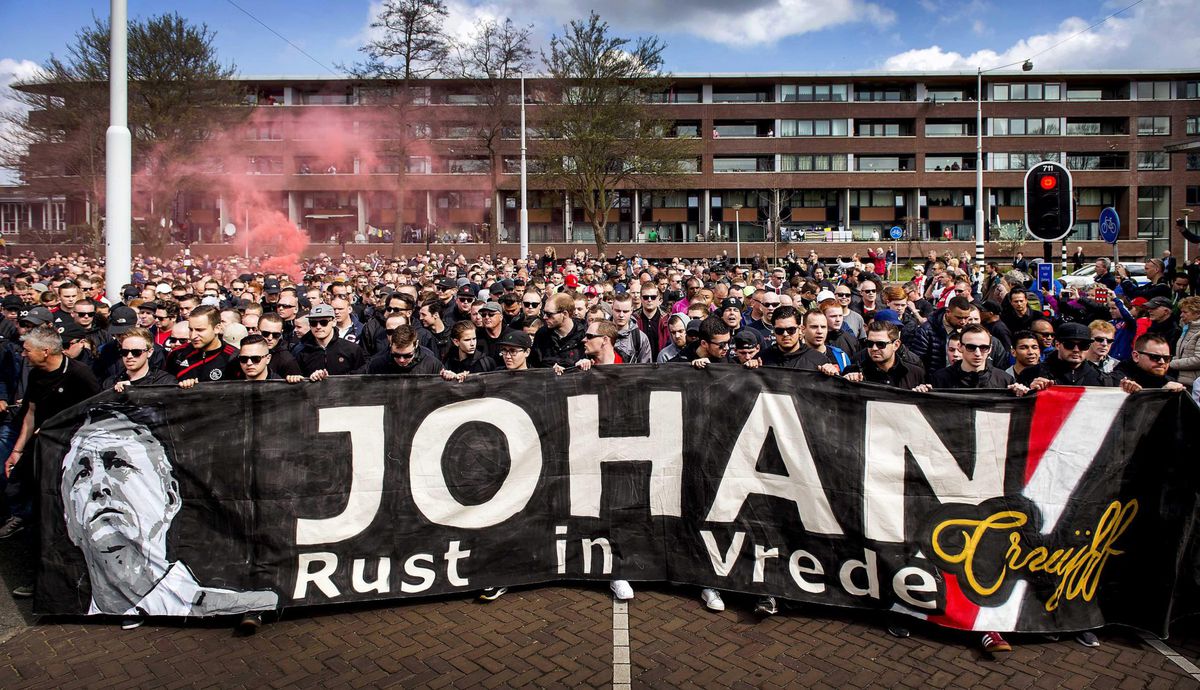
<point x="118" y="161"/>
<point x="1026" y="65"/>
<point x="737" y="229"/>
<point x="524" y="213"/>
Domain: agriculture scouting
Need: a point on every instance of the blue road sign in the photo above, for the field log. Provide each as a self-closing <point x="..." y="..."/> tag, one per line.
<point x="1110" y="225"/>
<point x="1045" y="275"/>
<point x="897" y="232"/>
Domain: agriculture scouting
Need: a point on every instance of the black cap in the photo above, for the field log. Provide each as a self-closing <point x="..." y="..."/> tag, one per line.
<point x="271" y="287"/>
<point x="245" y="277"/>
<point x="508" y="284"/>
<point x="467" y="291"/>
<point x="730" y="303"/>
<point x="12" y="303"/>
<point x="515" y="338"/>
<point x="990" y="306"/>
<point x="1156" y="302"/>
<point x="121" y="320"/>
<point x="71" y="331"/>
<point x="1071" y="330"/>
<point x="130" y="292"/>
<point x="446" y="283"/>
<point x="148" y="306"/>
<point x="747" y="337"/>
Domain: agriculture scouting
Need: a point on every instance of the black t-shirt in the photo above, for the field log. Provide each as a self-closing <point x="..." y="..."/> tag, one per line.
<point x="52" y="392"/>
<point x="154" y="377"/>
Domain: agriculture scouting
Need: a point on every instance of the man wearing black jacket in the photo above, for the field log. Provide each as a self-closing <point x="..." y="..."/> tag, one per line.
<point x="1149" y="366"/>
<point x="975" y="369"/>
<point x="404" y="356"/>
<point x="560" y="341"/>
<point x="322" y="353"/>
<point x="883" y="364"/>
<point x="1066" y="365"/>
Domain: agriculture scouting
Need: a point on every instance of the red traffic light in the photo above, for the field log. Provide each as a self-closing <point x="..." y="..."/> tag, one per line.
<point x="1048" y="182"/>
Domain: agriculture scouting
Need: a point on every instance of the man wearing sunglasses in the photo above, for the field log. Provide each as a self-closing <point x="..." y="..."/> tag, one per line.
<point x="975" y="369"/>
<point x="1150" y="366"/>
<point x="560" y="340"/>
<point x="254" y="359"/>
<point x="134" y="350"/>
<point x="322" y="353"/>
<point x="651" y="319"/>
<point x="1103" y="334"/>
<point x="883" y="365"/>
<point x="282" y="363"/>
<point x="789" y="346"/>
<point x="1067" y="365"/>
<point x="404" y="356"/>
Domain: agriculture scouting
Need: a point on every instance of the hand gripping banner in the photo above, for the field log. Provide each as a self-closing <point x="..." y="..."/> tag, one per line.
<point x="1062" y="511"/>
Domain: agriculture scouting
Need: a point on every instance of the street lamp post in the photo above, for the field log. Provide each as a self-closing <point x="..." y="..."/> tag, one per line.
<point x="118" y="165"/>
<point x="979" y="215"/>
<point x="524" y="183"/>
<point x="737" y="230"/>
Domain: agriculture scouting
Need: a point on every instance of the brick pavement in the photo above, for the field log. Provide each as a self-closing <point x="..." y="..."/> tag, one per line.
<point x="562" y="636"/>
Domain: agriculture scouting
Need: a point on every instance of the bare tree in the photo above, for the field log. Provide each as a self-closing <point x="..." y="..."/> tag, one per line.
<point x="491" y="58"/>
<point x="603" y="135"/>
<point x="409" y="45"/>
<point x="179" y="93"/>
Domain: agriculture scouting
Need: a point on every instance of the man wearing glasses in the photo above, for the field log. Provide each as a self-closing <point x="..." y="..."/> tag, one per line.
<point x="135" y="348"/>
<point x="254" y="359"/>
<point x="1103" y="334"/>
<point x="1149" y="368"/>
<point x="974" y="370"/>
<point x="322" y="353"/>
<point x="165" y="318"/>
<point x="789" y="346"/>
<point x="713" y="346"/>
<point x="853" y="320"/>
<point x="883" y="365"/>
<point x="404" y="356"/>
<point x="288" y="310"/>
<point x="514" y="350"/>
<point x="1066" y="366"/>
<point x="282" y="363"/>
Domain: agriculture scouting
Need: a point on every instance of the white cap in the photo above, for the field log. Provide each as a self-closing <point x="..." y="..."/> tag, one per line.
<point x="163" y="288"/>
<point x="824" y="295"/>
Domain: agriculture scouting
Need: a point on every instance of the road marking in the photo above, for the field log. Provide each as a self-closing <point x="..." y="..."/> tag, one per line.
<point x="621" y="667"/>
<point x="1175" y="657"/>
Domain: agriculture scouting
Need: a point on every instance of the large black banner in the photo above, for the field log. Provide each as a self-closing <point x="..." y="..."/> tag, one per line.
<point x="1066" y="510"/>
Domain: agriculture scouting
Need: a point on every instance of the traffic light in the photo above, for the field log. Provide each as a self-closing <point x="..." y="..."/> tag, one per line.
<point x="1049" y="204"/>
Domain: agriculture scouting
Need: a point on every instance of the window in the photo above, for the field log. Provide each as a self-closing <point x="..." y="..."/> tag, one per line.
<point x="1008" y="197"/>
<point x="875" y="198"/>
<point x="743" y="164"/>
<point x="464" y="99"/>
<point x="944" y="163"/>
<point x="1025" y="126"/>
<point x="1193" y="161"/>
<point x="1085" y="94"/>
<point x="265" y="131"/>
<point x="947" y="129"/>
<point x="418" y="165"/>
<point x="1193" y="196"/>
<point x="676" y="96"/>
<point x="1154" y="212"/>
<point x="1021" y="161"/>
<point x="1109" y="160"/>
<point x="813" y="92"/>
<point x="813" y="163"/>
<point x="459" y="131"/>
<point x="264" y="165"/>
<point x="946" y="95"/>
<point x="1191" y="89"/>
<point x="868" y="93"/>
<point x="1153" y="160"/>
<point x="884" y="163"/>
<point x="813" y="128"/>
<point x="741" y="97"/>
<point x="1193" y="126"/>
<point x="1026" y="92"/>
<point x="1097" y="197"/>
<point x="814" y="199"/>
<point x="667" y="199"/>
<point x="1153" y="90"/>
<point x="882" y="129"/>
<point x="1084" y="128"/>
<point x="1153" y="126"/>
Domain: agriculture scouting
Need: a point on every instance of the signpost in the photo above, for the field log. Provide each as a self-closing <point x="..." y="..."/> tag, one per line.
<point x="1045" y="276"/>
<point x="896" y="233"/>
<point x="1110" y="228"/>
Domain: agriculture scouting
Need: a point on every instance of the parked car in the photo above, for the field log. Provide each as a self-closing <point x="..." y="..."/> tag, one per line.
<point x="1086" y="275"/>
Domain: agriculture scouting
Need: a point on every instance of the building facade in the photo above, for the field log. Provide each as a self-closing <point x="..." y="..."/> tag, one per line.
<point x="812" y="158"/>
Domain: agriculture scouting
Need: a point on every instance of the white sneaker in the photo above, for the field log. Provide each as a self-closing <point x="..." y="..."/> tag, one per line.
<point x="621" y="589"/>
<point x="712" y="599"/>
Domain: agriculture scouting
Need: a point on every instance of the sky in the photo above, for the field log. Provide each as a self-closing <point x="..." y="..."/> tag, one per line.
<point x="702" y="36"/>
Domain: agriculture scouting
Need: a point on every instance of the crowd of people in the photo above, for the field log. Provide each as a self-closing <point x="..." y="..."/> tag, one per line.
<point x="199" y="321"/>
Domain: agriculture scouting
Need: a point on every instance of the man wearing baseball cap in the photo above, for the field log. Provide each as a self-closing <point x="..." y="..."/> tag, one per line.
<point x="1066" y="365"/>
<point x="322" y="353"/>
<point x="1161" y="312"/>
<point x="514" y="349"/>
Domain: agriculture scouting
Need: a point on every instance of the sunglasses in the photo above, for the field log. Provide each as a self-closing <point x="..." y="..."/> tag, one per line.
<point x="83" y="314"/>
<point x="649" y="296"/>
<point x="1074" y="344"/>
<point x="320" y="323"/>
<point x="868" y="292"/>
<point x="395" y="310"/>
<point x="251" y="359"/>
<point x="841" y="295"/>
<point x="132" y="352"/>
<point x="169" y="341"/>
<point x="1156" y="357"/>
<point x="1040" y="334"/>
<point x="786" y="330"/>
<point x="879" y="344"/>
<point x="770" y="305"/>
<point x="720" y="346"/>
<point x="972" y="347"/>
<point x="162" y="317"/>
<point x="271" y="334"/>
<point x="532" y="305"/>
<point x="1101" y="340"/>
<point x="281" y="305"/>
<point x="403" y="356"/>
<point x="589" y="336"/>
<point x="550" y="313"/>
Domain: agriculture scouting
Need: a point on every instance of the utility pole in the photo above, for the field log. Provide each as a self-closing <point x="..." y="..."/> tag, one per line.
<point x="118" y="161"/>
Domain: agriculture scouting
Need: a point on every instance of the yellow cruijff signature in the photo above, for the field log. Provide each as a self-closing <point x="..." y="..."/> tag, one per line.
<point x="1077" y="568"/>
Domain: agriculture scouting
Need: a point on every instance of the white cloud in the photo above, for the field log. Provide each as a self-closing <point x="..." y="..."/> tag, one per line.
<point x="12" y="70"/>
<point x="1156" y="34"/>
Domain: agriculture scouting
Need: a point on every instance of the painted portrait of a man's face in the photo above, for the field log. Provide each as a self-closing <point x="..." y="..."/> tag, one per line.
<point x="117" y="488"/>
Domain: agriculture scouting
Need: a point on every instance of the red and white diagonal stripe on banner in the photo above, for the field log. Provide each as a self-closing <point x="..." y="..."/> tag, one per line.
<point x="1068" y="427"/>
